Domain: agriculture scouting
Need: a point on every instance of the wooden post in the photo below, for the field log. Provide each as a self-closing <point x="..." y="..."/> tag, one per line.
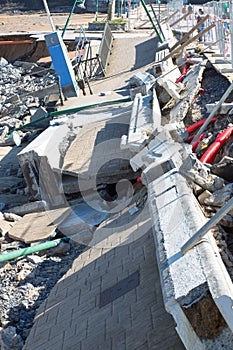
<point x="169" y="17"/>
<point x="180" y="19"/>
<point x="187" y="35"/>
<point x="189" y="41"/>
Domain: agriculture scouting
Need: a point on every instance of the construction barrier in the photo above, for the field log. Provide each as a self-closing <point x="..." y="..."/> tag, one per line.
<point x="105" y="47"/>
<point x="220" y="13"/>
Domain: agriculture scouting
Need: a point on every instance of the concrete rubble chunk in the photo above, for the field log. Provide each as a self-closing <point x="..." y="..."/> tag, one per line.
<point x="28" y="208"/>
<point x="200" y="174"/>
<point x="37" y="113"/>
<point x="5" y="226"/>
<point x="36" y="259"/>
<point x="203" y="196"/>
<point x="220" y="197"/>
<point x="144" y="81"/>
<point x="11" y="217"/>
<point x="3" y="62"/>
<point x="224" y="169"/>
<point x="192" y="86"/>
<point x="171" y="88"/>
<point x="38" y="226"/>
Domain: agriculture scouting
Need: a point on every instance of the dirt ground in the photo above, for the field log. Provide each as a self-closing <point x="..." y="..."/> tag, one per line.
<point x="12" y="23"/>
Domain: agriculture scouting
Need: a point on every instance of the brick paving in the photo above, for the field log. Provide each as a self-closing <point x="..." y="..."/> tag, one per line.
<point x="73" y="317"/>
<point x="111" y="297"/>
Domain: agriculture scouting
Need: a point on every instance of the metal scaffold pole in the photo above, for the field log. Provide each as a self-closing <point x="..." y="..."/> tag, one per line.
<point x="49" y="15"/>
<point x="69" y="17"/>
<point x="151" y="20"/>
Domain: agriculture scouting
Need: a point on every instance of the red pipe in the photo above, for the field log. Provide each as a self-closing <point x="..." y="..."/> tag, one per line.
<point x="198" y="124"/>
<point x="196" y="143"/>
<point x="184" y="72"/>
<point x="210" y="154"/>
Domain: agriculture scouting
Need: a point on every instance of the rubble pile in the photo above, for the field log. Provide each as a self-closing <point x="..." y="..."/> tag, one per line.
<point x="23" y="89"/>
<point x="25" y="284"/>
<point x="211" y="180"/>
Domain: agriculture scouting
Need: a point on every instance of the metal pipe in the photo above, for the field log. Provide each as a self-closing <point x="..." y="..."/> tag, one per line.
<point x="73" y="110"/>
<point x="214" y="111"/>
<point x="151" y="20"/>
<point x="205" y="228"/>
<point x="69" y="17"/>
<point x="49" y="15"/>
<point x="33" y="249"/>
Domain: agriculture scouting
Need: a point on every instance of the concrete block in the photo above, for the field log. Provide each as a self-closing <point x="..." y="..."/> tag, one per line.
<point x="170" y="87"/>
<point x="28" y="208"/>
<point x="192" y="86"/>
<point x="39" y="112"/>
<point x="41" y="157"/>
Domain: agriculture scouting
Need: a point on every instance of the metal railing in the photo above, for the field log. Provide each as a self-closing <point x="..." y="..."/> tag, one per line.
<point x="220" y="13"/>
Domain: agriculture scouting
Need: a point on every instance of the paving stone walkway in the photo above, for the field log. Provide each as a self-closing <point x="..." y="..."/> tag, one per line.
<point x="111" y="297"/>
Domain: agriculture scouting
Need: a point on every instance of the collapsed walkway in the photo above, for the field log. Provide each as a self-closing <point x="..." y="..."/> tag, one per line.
<point x="111" y="297"/>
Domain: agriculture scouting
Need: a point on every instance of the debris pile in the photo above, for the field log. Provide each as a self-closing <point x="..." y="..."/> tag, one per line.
<point x="25" y="283"/>
<point x="24" y="87"/>
<point x="168" y="111"/>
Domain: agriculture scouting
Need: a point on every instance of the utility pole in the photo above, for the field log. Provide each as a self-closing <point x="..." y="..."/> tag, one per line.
<point x="96" y="9"/>
<point x="111" y="9"/>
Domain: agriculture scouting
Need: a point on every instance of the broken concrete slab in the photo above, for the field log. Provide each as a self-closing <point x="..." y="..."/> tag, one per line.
<point x="36" y="227"/>
<point x="193" y="169"/>
<point x="46" y="158"/>
<point x="101" y="160"/>
<point x="42" y="155"/>
<point x="38" y="113"/>
<point x="171" y="87"/>
<point x="5" y="226"/>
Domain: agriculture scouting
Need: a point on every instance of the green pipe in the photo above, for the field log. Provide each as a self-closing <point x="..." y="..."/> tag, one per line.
<point x="151" y="20"/>
<point x="33" y="249"/>
<point x="72" y="110"/>
<point x="71" y="12"/>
